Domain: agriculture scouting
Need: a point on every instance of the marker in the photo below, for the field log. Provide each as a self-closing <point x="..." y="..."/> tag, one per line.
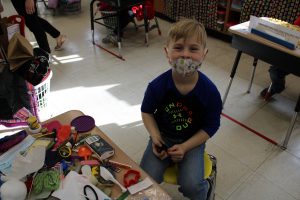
<point x="120" y="164"/>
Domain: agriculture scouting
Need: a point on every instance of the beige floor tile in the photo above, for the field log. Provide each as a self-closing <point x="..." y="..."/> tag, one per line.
<point x="244" y="145"/>
<point x="257" y="187"/>
<point x="283" y="170"/>
<point x="230" y="171"/>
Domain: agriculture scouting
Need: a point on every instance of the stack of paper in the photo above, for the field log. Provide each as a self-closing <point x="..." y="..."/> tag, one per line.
<point x="277" y="31"/>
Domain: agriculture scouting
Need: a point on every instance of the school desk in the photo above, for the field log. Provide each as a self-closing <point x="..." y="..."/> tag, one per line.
<point x="269" y="52"/>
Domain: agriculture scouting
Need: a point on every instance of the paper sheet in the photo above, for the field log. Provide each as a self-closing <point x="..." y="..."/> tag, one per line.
<point x="32" y="162"/>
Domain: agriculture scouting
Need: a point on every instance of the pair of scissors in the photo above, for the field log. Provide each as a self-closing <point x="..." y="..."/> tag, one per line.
<point x="91" y="189"/>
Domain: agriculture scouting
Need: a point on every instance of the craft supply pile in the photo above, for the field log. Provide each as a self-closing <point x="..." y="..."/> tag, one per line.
<point x="63" y="161"/>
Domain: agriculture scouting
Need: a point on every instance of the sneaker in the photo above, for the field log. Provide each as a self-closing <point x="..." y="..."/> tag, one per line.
<point x="110" y="38"/>
<point x="267" y="96"/>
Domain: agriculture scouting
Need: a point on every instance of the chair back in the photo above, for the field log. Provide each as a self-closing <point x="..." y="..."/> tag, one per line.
<point x="139" y="10"/>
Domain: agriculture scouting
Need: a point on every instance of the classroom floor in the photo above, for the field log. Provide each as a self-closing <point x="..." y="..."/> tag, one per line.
<point x="89" y="79"/>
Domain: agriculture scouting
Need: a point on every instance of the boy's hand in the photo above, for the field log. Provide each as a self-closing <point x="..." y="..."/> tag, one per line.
<point x="29" y="6"/>
<point x="176" y="152"/>
<point x="157" y="144"/>
<point x="161" y="154"/>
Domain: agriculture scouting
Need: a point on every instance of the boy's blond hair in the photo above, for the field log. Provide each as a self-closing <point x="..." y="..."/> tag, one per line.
<point x="187" y="28"/>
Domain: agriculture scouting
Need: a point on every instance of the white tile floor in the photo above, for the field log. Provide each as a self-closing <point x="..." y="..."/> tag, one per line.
<point x="89" y="79"/>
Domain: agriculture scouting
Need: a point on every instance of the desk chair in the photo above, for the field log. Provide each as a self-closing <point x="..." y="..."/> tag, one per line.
<point x="210" y="174"/>
<point x="267" y="96"/>
<point x="150" y="13"/>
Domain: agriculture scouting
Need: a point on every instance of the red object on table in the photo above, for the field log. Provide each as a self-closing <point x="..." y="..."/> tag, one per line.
<point x="84" y="151"/>
<point x="52" y="125"/>
<point x="131" y="177"/>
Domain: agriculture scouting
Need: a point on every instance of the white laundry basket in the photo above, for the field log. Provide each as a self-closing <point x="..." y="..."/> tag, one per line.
<point x="42" y="92"/>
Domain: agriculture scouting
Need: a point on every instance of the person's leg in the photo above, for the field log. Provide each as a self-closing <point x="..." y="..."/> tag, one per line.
<point x="33" y="24"/>
<point x="191" y="174"/>
<point x="51" y="30"/>
<point x="278" y="79"/>
<point x="125" y="18"/>
<point x="153" y="165"/>
<point x="1" y="6"/>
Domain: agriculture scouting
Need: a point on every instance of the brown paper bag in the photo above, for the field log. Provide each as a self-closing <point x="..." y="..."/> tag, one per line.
<point x="19" y="51"/>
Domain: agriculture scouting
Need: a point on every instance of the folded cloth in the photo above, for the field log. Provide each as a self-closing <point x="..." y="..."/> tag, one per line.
<point x="9" y="141"/>
<point x="36" y="69"/>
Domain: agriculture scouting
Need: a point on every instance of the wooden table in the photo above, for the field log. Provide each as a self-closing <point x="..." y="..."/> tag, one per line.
<point x="267" y="51"/>
<point x="153" y="192"/>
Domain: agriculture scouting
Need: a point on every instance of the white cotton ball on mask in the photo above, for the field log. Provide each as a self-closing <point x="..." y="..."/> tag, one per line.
<point x="13" y="190"/>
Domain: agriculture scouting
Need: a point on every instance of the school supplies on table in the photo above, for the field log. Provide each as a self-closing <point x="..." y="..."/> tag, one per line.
<point x="108" y="176"/>
<point x="83" y="123"/>
<point x="100" y="146"/>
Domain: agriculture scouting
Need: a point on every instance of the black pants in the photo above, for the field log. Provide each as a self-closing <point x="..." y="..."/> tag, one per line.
<point x="277" y="76"/>
<point x="125" y="18"/>
<point x="37" y="25"/>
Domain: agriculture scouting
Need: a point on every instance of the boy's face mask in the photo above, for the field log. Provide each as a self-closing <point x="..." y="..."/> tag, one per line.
<point x="185" y="66"/>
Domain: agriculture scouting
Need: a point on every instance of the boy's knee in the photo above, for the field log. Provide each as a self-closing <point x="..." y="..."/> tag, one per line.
<point x="194" y="190"/>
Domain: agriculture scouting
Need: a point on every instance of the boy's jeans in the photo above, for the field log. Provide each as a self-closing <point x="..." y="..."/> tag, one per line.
<point x="277" y="76"/>
<point x="191" y="171"/>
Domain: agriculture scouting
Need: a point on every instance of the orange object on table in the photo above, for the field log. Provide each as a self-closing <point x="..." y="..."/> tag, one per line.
<point x="84" y="151"/>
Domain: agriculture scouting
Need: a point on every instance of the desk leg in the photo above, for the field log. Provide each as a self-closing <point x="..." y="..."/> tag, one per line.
<point x="146" y="25"/>
<point x="252" y="75"/>
<point x="92" y="19"/>
<point x="119" y="33"/>
<point x="291" y="126"/>
<point x="234" y="67"/>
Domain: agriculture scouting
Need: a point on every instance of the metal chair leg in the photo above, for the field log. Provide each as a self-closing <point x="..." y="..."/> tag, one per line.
<point x="157" y="26"/>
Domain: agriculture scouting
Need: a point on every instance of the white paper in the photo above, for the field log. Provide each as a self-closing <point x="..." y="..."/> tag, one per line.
<point x="12" y="29"/>
<point x="276" y="30"/>
<point x="140" y="186"/>
<point x="72" y="188"/>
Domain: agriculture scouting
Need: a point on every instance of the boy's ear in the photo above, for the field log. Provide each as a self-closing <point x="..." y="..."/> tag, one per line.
<point x="166" y="52"/>
<point x="205" y="52"/>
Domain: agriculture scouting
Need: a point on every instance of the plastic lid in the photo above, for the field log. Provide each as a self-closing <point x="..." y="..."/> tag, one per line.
<point x="83" y="123"/>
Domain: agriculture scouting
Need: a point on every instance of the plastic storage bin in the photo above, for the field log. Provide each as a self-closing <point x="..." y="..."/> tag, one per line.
<point x="42" y="92"/>
<point x="70" y="6"/>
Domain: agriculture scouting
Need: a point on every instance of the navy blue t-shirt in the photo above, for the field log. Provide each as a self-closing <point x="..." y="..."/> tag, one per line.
<point x="180" y="116"/>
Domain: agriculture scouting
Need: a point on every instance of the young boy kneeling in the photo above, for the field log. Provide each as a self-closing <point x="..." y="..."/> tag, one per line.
<point x="181" y="111"/>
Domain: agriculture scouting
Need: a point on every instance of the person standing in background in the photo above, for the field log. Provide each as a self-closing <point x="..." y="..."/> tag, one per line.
<point x="1" y="7"/>
<point x="37" y="25"/>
